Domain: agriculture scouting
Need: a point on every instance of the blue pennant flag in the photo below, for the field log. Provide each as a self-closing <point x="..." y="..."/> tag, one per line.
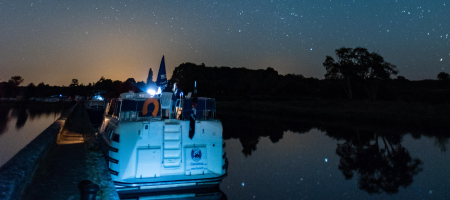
<point x="161" y="80"/>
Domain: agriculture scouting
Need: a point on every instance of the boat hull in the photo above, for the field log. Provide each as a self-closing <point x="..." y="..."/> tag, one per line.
<point x="199" y="193"/>
<point x="126" y="187"/>
<point x="185" y="176"/>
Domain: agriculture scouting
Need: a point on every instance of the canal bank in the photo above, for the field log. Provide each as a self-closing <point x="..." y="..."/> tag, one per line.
<point x="53" y="165"/>
<point x="18" y="171"/>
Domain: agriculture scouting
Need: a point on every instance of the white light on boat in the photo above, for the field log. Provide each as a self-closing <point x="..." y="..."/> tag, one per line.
<point x="151" y="92"/>
<point x="159" y="90"/>
<point x="326" y="160"/>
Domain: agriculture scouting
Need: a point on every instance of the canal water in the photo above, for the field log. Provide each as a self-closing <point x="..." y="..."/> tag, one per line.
<point x="20" y="124"/>
<point x="294" y="159"/>
<point x="272" y="158"/>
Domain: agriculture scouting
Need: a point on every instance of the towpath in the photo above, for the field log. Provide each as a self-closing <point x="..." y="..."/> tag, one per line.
<point x="74" y="157"/>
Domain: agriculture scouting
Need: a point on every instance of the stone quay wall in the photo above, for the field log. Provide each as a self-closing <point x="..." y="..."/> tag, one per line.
<point x="18" y="172"/>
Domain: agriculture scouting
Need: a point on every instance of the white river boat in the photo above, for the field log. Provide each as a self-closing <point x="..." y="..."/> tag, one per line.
<point x="150" y="150"/>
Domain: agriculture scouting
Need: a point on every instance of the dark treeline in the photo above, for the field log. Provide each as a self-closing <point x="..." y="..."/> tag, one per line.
<point x="107" y="87"/>
<point x="354" y="74"/>
<point x="242" y="83"/>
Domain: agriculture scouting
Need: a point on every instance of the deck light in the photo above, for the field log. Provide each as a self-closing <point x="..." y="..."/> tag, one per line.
<point x="159" y="90"/>
<point x="151" y="92"/>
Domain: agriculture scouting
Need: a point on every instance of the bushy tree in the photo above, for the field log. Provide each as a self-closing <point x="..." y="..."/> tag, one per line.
<point x="343" y="69"/>
<point x="443" y="76"/>
<point x="358" y="66"/>
<point x="13" y="86"/>
<point x="216" y="81"/>
<point x="74" y="83"/>
<point x="15" y="81"/>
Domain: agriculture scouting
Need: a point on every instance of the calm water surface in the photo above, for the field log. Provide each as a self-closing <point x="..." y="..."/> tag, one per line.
<point x="293" y="159"/>
<point x="19" y="125"/>
<point x="276" y="159"/>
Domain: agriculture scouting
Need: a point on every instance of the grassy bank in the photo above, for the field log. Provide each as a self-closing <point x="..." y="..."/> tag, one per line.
<point x="414" y="115"/>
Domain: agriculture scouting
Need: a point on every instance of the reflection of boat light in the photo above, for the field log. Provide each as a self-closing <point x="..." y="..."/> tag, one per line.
<point x="146" y="152"/>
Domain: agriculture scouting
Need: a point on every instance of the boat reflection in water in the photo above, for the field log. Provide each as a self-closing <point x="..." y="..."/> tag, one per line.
<point x="199" y="194"/>
<point x="148" y="153"/>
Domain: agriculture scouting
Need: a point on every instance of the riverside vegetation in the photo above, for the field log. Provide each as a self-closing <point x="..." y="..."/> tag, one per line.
<point x="358" y="87"/>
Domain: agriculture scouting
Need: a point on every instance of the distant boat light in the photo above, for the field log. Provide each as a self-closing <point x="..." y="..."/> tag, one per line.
<point x="98" y="97"/>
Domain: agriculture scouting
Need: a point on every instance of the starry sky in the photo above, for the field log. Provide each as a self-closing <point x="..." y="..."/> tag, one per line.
<point x="55" y="41"/>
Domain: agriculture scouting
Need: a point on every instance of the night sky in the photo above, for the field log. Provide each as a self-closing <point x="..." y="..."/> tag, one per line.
<point x="56" y="41"/>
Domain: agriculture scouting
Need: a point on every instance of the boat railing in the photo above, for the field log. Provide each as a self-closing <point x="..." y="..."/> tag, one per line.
<point x="146" y="109"/>
<point x="206" y="108"/>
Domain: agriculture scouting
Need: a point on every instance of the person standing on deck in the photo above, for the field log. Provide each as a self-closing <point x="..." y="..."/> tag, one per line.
<point x="177" y="93"/>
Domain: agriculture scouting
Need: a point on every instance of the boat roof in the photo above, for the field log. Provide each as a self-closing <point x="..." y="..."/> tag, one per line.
<point x="136" y="96"/>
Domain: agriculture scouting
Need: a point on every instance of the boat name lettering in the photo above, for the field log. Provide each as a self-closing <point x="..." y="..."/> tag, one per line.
<point x="196" y="168"/>
<point x="192" y="164"/>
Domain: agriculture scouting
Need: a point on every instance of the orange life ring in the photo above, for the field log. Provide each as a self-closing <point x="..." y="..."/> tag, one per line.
<point x="149" y="101"/>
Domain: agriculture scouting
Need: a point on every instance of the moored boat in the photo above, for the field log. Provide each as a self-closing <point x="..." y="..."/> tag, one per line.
<point x="148" y="152"/>
<point x="96" y="109"/>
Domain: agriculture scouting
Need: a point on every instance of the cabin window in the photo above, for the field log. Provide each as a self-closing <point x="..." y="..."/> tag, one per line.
<point x="116" y="137"/>
<point x="128" y="105"/>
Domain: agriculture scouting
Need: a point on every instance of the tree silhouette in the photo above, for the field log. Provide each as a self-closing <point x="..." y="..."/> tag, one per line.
<point x="12" y="86"/>
<point x="249" y="129"/>
<point x="380" y="168"/>
<point x="74" y="83"/>
<point x="442" y="76"/>
<point x="358" y="65"/>
<point x="344" y="69"/>
<point x="129" y="85"/>
<point x="15" y="81"/>
<point x="31" y="91"/>
<point x="374" y="70"/>
<point x="216" y="81"/>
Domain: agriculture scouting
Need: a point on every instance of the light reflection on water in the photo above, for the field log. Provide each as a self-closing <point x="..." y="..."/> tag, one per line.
<point x="19" y="125"/>
<point x="302" y="160"/>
